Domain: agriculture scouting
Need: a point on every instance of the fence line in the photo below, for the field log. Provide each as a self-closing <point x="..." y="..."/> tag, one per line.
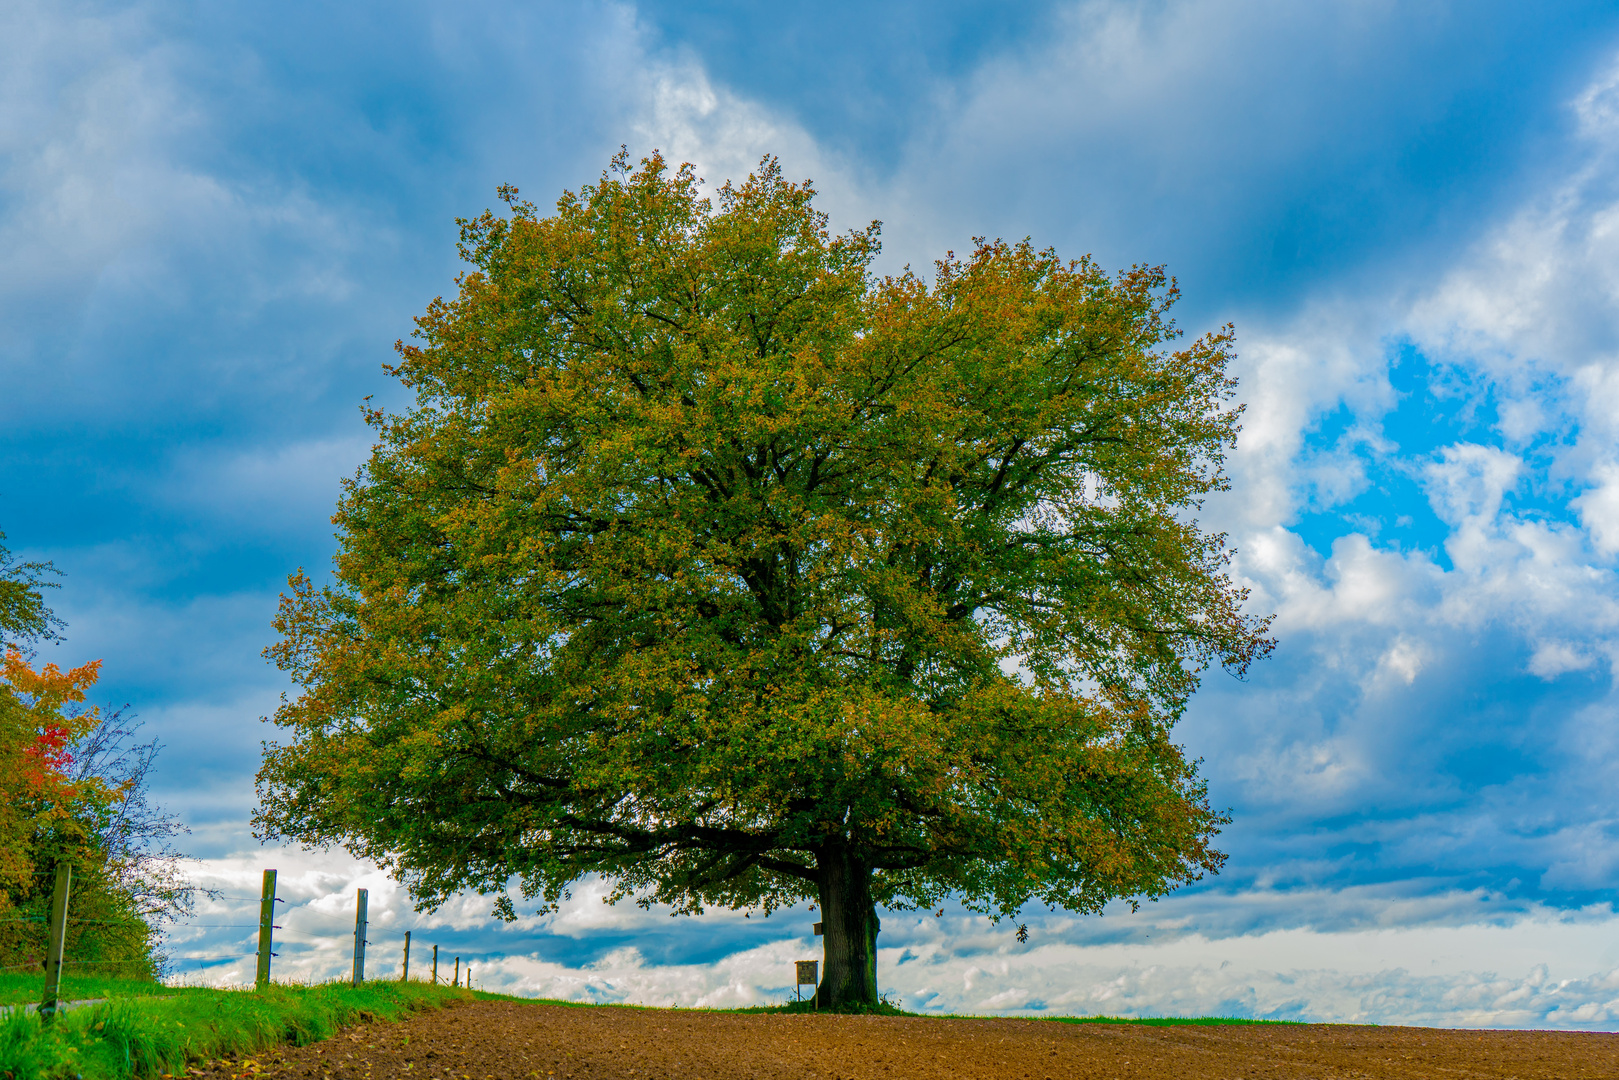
<point x="362" y="935"/>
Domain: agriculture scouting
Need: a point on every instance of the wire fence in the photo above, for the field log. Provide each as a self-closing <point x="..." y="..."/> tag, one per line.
<point x="309" y="940"/>
<point x="317" y="940"/>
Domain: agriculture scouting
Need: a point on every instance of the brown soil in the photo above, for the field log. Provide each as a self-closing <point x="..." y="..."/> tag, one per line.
<point x="498" y="1039"/>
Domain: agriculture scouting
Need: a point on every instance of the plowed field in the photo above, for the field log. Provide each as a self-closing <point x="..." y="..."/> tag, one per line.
<point x="504" y="1039"/>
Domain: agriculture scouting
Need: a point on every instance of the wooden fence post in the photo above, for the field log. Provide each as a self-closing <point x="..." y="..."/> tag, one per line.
<point x="435" y="965"/>
<point x="266" y="930"/>
<point x="404" y="969"/>
<point x="58" y="942"/>
<point x="359" y="939"/>
<point x="456" y="981"/>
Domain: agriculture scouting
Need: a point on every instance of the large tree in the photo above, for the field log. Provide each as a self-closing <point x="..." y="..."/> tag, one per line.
<point x="712" y="563"/>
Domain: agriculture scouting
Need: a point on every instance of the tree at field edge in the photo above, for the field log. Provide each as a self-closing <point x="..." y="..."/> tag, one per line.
<point x="712" y="563"/>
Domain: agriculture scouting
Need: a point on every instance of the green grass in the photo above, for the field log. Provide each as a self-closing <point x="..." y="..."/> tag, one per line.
<point x="18" y="988"/>
<point x="147" y="1035"/>
<point x="1162" y="1021"/>
<point x="885" y="1009"/>
<point x="808" y="1006"/>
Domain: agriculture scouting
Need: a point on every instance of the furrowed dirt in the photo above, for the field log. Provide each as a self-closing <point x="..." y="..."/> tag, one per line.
<point x="492" y="1039"/>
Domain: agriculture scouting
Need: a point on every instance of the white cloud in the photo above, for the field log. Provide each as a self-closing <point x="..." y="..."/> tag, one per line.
<point x="187" y="235"/>
<point x="1534" y="309"/>
<point x="290" y="486"/>
<point x="1446" y="706"/>
<point x="115" y="207"/>
<point x="1412" y="960"/>
<point x="83" y="97"/>
<point x="1467" y="484"/>
<point x="724" y="136"/>
<point x="1404" y="659"/>
<point x="1531" y="311"/>
<point x="1599" y="508"/>
<point x="1553" y="658"/>
<point x="1406" y="977"/>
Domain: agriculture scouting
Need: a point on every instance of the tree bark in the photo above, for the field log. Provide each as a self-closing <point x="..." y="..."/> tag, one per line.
<point x="849" y="918"/>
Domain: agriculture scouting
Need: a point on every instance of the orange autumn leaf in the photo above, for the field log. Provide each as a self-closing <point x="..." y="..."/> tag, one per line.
<point x="42" y="715"/>
<point x="45" y="696"/>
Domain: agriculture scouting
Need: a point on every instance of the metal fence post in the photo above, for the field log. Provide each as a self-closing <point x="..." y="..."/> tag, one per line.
<point x="404" y="969"/>
<point x="266" y="930"/>
<point x="53" y="958"/>
<point x="359" y="940"/>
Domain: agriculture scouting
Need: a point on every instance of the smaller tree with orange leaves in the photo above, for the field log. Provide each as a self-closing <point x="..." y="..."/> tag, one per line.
<point x="45" y="813"/>
<point x="58" y="803"/>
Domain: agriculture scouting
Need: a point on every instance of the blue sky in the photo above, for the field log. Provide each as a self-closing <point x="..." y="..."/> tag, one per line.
<point x="216" y="219"/>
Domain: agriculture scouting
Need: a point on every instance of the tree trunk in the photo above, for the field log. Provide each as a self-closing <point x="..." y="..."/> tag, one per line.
<point x="849" y="918"/>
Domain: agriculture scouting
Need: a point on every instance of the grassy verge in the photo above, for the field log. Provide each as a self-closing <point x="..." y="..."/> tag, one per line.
<point x="1162" y="1021"/>
<point x="25" y="989"/>
<point x="147" y="1036"/>
<point x="808" y="1006"/>
<point x="885" y="1009"/>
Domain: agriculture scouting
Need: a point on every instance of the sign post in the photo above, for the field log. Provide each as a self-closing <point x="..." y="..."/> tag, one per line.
<point x="809" y="971"/>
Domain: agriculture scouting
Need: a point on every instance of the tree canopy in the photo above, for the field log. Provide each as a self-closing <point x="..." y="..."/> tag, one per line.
<point x="711" y="562"/>
<point x="24" y="616"/>
<point x="73" y="790"/>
